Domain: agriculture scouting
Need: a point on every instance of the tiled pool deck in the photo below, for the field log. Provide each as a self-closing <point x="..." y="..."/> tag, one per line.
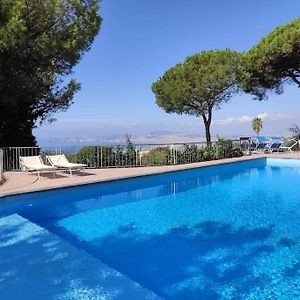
<point x="36" y="264"/>
<point x="18" y="182"/>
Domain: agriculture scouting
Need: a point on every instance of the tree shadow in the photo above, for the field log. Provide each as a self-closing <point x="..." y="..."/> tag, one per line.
<point x="35" y="265"/>
<point x="293" y="271"/>
<point x="186" y="263"/>
<point x="50" y="176"/>
<point x="75" y="173"/>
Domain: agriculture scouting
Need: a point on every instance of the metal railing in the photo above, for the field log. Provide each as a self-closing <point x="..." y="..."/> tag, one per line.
<point x="11" y="156"/>
<point x="116" y="155"/>
<point x="111" y="156"/>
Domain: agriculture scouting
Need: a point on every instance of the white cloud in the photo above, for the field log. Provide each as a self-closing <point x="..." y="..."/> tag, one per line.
<point x="246" y="119"/>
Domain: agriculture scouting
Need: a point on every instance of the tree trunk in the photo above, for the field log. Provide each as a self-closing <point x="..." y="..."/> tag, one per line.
<point x="207" y="122"/>
<point x="207" y="133"/>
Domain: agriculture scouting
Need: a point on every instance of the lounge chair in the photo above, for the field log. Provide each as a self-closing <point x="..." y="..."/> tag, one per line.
<point x="262" y="144"/>
<point x="276" y="143"/>
<point x="35" y="164"/>
<point x="60" y="161"/>
<point x="290" y="148"/>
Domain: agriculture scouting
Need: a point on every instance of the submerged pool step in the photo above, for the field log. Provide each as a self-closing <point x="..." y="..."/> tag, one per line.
<point x="36" y="264"/>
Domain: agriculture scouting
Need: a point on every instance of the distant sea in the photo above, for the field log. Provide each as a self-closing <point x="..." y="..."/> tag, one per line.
<point x="74" y="144"/>
<point x="70" y="149"/>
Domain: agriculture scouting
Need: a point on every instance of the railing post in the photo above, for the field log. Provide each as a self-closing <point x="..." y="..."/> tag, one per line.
<point x="97" y="148"/>
<point x="18" y="159"/>
<point x="101" y="156"/>
<point x="136" y="156"/>
<point x="1" y="165"/>
<point x="174" y="153"/>
<point x="140" y="156"/>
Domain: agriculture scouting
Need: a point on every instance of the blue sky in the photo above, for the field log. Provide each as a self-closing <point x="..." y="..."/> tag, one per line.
<point x="140" y="39"/>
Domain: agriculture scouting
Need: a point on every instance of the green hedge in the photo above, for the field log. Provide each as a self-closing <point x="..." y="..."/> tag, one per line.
<point x="191" y="153"/>
<point x="122" y="156"/>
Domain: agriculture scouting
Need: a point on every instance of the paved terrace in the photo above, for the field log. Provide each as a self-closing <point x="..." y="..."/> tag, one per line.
<point x="18" y="182"/>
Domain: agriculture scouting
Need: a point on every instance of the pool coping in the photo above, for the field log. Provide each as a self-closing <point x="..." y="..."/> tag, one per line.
<point x="145" y="171"/>
<point x="157" y="170"/>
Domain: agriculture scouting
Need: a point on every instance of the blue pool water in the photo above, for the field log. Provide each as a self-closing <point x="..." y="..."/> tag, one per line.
<point x="225" y="232"/>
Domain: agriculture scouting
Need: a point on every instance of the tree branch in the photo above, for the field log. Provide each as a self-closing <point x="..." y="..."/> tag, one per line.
<point x="293" y="76"/>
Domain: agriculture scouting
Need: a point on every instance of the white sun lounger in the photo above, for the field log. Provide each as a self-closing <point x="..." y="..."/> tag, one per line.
<point x="35" y="164"/>
<point x="60" y="161"/>
<point x="290" y="148"/>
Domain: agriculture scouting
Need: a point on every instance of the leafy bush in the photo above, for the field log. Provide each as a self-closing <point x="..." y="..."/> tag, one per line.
<point x="107" y="156"/>
<point x="226" y="149"/>
<point x="190" y="153"/>
<point x="157" y="156"/>
<point x="128" y="155"/>
<point x="207" y="153"/>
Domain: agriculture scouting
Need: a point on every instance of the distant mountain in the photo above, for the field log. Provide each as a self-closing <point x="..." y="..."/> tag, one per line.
<point x="151" y="138"/>
<point x="160" y="137"/>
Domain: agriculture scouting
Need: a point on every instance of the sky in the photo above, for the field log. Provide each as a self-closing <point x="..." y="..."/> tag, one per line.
<point x="139" y="40"/>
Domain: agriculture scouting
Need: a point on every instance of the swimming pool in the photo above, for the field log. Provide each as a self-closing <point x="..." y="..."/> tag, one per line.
<point x="230" y="231"/>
